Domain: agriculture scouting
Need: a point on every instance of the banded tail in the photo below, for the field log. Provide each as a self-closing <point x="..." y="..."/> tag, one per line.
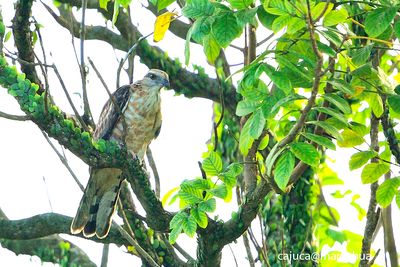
<point x="98" y="203"/>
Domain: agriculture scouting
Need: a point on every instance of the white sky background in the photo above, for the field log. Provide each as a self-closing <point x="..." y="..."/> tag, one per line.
<point x="186" y="128"/>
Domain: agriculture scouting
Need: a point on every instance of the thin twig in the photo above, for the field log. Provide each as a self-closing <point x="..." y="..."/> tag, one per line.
<point x="153" y="167"/>
<point x="79" y="118"/>
<point x="47" y="193"/>
<point x="14" y="117"/>
<point x="87" y="114"/>
<point x="266" y="39"/>
<point x="233" y="254"/>
<point x="129" y="237"/>
<point x="64" y="161"/>
<point x="104" y="255"/>
<point x="131" y="50"/>
<point x="183" y="252"/>
<point x="246" y="243"/>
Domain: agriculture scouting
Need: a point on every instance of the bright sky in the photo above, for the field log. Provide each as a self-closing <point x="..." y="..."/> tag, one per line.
<point x="39" y="188"/>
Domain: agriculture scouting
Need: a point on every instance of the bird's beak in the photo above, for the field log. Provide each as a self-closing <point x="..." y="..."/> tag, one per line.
<point x="165" y="83"/>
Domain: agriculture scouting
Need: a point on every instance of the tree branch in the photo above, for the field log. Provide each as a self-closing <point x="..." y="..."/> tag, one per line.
<point x="23" y="40"/>
<point x="14" y="117"/>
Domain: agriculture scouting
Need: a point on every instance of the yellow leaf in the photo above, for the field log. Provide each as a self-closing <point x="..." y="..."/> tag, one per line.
<point x="162" y="24"/>
<point x="397" y="77"/>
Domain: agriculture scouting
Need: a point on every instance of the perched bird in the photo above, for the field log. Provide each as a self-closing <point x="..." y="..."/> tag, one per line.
<point x="132" y="117"/>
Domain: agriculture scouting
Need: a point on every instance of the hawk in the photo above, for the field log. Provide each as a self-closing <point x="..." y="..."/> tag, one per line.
<point x="132" y="117"/>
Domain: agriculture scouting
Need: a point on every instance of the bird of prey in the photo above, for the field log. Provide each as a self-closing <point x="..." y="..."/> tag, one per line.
<point x="132" y="116"/>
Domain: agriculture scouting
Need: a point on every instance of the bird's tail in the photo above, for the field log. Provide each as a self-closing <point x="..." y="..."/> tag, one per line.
<point x="98" y="203"/>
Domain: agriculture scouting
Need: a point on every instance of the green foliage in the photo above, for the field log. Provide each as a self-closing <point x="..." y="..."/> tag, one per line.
<point x="359" y="159"/>
<point x="283" y="169"/>
<point x="387" y="191"/>
<point x="372" y="171"/>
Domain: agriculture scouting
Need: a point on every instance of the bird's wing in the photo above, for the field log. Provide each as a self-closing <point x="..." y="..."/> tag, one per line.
<point x="111" y="113"/>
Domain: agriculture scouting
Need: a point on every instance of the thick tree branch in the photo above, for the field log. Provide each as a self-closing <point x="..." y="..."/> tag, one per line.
<point x="23" y="40"/>
<point x="48" y="224"/>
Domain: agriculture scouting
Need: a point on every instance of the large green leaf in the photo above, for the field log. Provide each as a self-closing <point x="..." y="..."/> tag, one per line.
<point x="189" y="225"/>
<point x="197" y="8"/>
<point x="278" y="78"/>
<point x="387" y="191"/>
<point x="306" y="153"/>
<point x="350" y="139"/>
<point x="212" y="165"/>
<point x="246" y="106"/>
<point x="161" y="4"/>
<point x="378" y="20"/>
<point x="200" y="217"/>
<point x="342" y="86"/>
<point x="335" y="17"/>
<point x="328" y="128"/>
<point x="211" y="48"/>
<point x="240" y="4"/>
<point x="208" y="205"/>
<point x="245" y="139"/>
<point x="394" y="102"/>
<point x="373" y="171"/>
<point x="257" y="123"/>
<point x="320" y="140"/>
<point x="245" y="16"/>
<point x="283" y="169"/>
<point x="359" y="159"/>
<point x="283" y="101"/>
<point x="339" y="102"/>
<point x="376" y="104"/>
<point x="226" y="28"/>
<point x="332" y="112"/>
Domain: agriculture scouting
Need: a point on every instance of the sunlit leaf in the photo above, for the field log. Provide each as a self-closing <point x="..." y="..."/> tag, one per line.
<point x="359" y="159"/>
<point x="342" y="86"/>
<point x="386" y="191"/>
<point x="200" y="217"/>
<point x="335" y="17"/>
<point x="211" y="48"/>
<point x="339" y="102"/>
<point x="373" y="171"/>
<point x="225" y="29"/>
<point x="189" y="226"/>
<point x="320" y="140"/>
<point x="161" y="4"/>
<point x="257" y="123"/>
<point x="212" y="165"/>
<point x="378" y="20"/>
<point x="350" y="139"/>
<point x="306" y="153"/>
<point x="283" y="169"/>
<point x="162" y="24"/>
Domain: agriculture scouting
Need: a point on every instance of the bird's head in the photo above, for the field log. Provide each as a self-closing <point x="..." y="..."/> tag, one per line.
<point x="156" y="79"/>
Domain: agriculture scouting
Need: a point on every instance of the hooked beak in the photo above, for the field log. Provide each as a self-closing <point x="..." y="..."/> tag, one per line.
<point x="165" y="83"/>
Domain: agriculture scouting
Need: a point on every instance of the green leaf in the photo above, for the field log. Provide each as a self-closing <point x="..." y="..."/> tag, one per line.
<point x="283" y="169"/>
<point x="359" y="159"/>
<point x="246" y="106"/>
<point x="161" y="4"/>
<point x="225" y="29"/>
<point x="306" y="153"/>
<point x="245" y="139"/>
<point x="124" y="3"/>
<point x="187" y="45"/>
<point x="168" y="195"/>
<point x="208" y="205"/>
<point x="177" y="220"/>
<point x="335" y="17"/>
<point x="212" y="165"/>
<point x="387" y="191"/>
<point x="328" y="128"/>
<point x="350" y="139"/>
<point x="173" y="235"/>
<point x="240" y="4"/>
<point x="201" y="28"/>
<point x="360" y="210"/>
<point x="361" y="55"/>
<point x="373" y="171"/>
<point x="328" y="176"/>
<point x="189" y="226"/>
<point x="334" y="113"/>
<point x="320" y="140"/>
<point x="295" y="24"/>
<point x="103" y="4"/>
<point x="211" y="48"/>
<point x="220" y="191"/>
<point x="285" y="100"/>
<point x="394" y="102"/>
<point x="398" y="199"/>
<point x="246" y="16"/>
<point x="317" y="10"/>
<point x="339" y="102"/>
<point x="378" y="20"/>
<point x="375" y="102"/>
<point x="288" y="64"/>
<point x="198" y="8"/>
<point x="338" y="236"/>
<point x="257" y="123"/>
<point x="342" y="86"/>
<point x="397" y="28"/>
<point x="265" y="18"/>
<point x="200" y="217"/>
<point x="278" y="78"/>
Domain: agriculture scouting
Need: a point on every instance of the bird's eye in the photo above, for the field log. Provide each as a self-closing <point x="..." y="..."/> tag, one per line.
<point x="152" y="76"/>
